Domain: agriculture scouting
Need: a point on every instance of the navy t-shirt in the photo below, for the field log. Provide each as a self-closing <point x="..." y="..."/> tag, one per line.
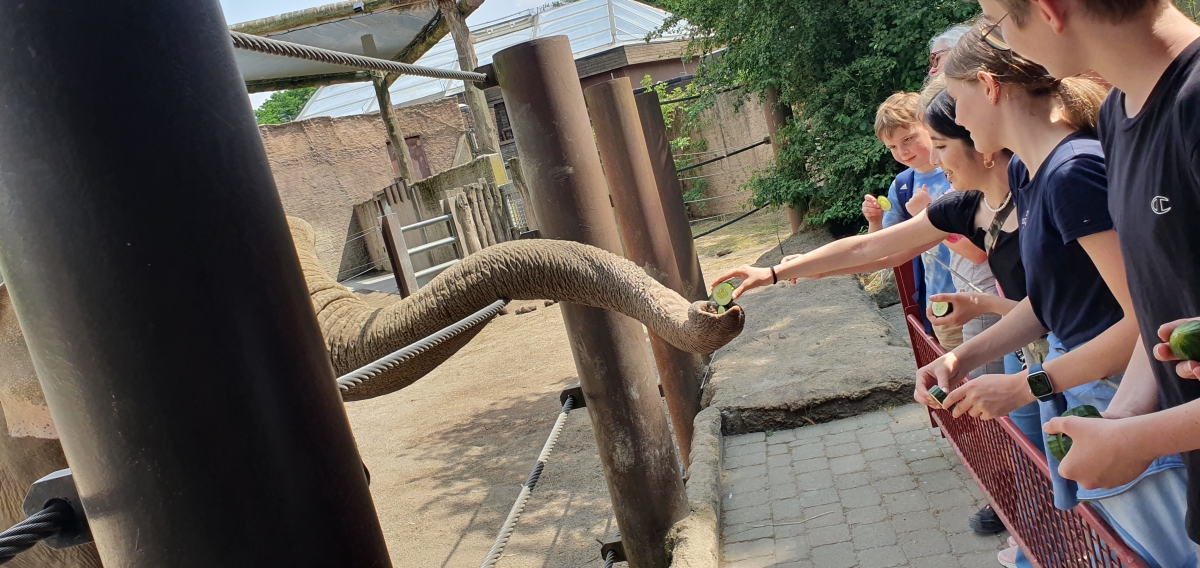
<point x="1154" y="166"/>
<point x="1065" y="201"/>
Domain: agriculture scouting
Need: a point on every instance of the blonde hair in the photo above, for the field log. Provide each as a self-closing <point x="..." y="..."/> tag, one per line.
<point x="933" y="86"/>
<point x="1081" y="97"/>
<point x="898" y="111"/>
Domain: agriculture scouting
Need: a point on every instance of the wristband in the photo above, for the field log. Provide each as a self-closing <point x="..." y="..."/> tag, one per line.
<point x="774" y="276"/>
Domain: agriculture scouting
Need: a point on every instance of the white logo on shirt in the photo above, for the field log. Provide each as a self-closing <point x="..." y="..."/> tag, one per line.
<point x="1159" y="205"/>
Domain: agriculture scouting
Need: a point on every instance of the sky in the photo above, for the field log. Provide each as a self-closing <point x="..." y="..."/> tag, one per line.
<point x="237" y="11"/>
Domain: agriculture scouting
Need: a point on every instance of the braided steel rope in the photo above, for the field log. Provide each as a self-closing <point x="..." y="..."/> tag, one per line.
<point x="269" y="46"/>
<point x="356" y="377"/>
<point x="610" y="559"/>
<point x="34" y="529"/>
<point x="510" y="524"/>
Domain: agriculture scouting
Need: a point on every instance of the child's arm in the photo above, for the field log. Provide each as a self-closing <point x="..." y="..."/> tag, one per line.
<point x="873" y="213"/>
<point x="966" y="249"/>
<point x="968" y="306"/>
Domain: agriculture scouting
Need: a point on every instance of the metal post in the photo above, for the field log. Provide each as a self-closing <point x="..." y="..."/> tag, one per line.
<point x="397" y="249"/>
<point x="671" y="195"/>
<point x="554" y="137"/>
<point x="777" y="115"/>
<point x="644" y="232"/>
<point x="391" y="123"/>
<point x="179" y="353"/>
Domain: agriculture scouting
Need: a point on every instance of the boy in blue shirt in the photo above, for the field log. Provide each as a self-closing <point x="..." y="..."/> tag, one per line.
<point x="896" y="125"/>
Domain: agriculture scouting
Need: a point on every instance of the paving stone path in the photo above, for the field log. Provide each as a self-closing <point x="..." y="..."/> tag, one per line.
<point x="879" y="490"/>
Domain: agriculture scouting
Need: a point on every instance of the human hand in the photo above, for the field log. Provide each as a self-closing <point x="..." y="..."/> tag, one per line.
<point x="941" y="372"/>
<point x="1162" y="351"/>
<point x="752" y="277"/>
<point x="990" y="396"/>
<point x="919" y="201"/>
<point x="1103" y="454"/>
<point x="871" y="209"/>
<point x="967" y="306"/>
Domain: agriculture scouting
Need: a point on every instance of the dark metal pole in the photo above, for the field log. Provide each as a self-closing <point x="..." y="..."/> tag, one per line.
<point x="671" y="195"/>
<point x="146" y="252"/>
<point x="777" y="116"/>
<point x="644" y="231"/>
<point x="558" y="155"/>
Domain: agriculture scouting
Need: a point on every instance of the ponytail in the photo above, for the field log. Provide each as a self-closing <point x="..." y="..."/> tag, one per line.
<point x="1081" y="98"/>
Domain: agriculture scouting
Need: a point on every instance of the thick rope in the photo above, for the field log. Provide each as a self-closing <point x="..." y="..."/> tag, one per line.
<point x="249" y="42"/>
<point x="510" y="524"/>
<point x="610" y="559"/>
<point x="34" y="529"/>
<point x="356" y="377"/>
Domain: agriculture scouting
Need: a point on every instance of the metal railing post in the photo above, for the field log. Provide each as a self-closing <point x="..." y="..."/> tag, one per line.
<point x="670" y="194"/>
<point x="397" y="249"/>
<point x="643" y="228"/>
<point x="179" y="354"/>
<point x="558" y="153"/>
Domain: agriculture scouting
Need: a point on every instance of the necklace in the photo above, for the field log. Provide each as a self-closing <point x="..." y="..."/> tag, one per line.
<point x="1002" y="205"/>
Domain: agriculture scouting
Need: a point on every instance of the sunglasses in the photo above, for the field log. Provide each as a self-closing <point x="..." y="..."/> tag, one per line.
<point x="936" y="57"/>
<point x="994" y="36"/>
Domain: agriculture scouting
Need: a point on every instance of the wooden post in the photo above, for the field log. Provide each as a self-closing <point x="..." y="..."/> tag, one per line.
<point x="485" y="127"/>
<point x="448" y="208"/>
<point x="518" y="180"/>
<point x="777" y="115"/>
<point x="505" y="212"/>
<point x="463" y="216"/>
<point x="397" y="249"/>
<point x="494" y="208"/>
<point x="392" y="124"/>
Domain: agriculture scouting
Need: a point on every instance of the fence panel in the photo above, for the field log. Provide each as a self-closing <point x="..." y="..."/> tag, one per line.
<point x="1015" y="477"/>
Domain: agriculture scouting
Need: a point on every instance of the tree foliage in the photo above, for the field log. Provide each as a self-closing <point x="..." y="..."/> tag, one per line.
<point x="833" y="63"/>
<point x="283" y="106"/>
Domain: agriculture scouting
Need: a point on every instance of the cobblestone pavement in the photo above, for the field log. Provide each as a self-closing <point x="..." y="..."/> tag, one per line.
<point x="879" y="490"/>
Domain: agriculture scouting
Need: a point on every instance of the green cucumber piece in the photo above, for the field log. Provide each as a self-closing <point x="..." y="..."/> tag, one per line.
<point x="1185" y="341"/>
<point x="941" y="309"/>
<point x="884" y="204"/>
<point x="1060" y="444"/>
<point x="720" y="310"/>
<point x="938" y="394"/>
<point x="722" y="294"/>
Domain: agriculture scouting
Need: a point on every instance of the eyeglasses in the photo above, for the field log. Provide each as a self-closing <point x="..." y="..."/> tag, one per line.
<point x="994" y="36"/>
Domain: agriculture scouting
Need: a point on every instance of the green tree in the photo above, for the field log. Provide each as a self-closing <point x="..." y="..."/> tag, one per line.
<point x="833" y="63"/>
<point x="283" y="106"/>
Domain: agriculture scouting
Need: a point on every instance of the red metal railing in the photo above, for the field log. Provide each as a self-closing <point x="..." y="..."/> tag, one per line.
<point x="1014" y="476"/>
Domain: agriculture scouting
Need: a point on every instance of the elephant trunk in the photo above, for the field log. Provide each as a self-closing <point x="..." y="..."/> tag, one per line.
<point x="357" y="334"/>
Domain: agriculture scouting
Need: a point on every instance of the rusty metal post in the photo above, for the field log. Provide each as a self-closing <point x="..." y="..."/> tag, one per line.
<point x="554" y="137"/>
<point x="670" y="194"/>
<point x="397" y="249"/>
<point x="643" y="227"/>
<point x="777" y="115"/>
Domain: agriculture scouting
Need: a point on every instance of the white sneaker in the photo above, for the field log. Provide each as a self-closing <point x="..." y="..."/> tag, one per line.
<point x="1007" y="557"/>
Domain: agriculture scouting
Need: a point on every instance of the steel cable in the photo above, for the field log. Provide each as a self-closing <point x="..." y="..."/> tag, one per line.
<point x="610" y="559"/>
<point x="510" y="523"/>
<point x="269" y="46"/>
<point x="34" y="529"/>
<point x="357" y="376"/>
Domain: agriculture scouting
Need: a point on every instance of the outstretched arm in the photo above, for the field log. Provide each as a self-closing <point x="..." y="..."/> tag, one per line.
<point x="858" y="251"/>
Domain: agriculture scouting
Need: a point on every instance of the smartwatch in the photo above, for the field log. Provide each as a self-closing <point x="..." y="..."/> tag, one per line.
<point x="1039" y="384"/>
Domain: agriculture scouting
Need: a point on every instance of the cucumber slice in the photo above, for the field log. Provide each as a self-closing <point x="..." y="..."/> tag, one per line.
<point x="1185" y="341"/>
<point x="884" y="203"/>
<point x="722" y="294"/>
<point x="720" y="310"/>
<point x="941" y="309"/>
<point x="1060" y="444"/>
<point x="938" y="394"/>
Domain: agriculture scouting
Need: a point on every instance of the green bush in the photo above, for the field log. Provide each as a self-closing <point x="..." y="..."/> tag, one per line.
<point x="833" y="63"/>
<point x="283" y="106"/>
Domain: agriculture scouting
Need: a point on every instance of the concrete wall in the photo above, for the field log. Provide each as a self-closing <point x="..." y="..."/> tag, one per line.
<point x="323" y="167"/>
<point x="732" y="129"/>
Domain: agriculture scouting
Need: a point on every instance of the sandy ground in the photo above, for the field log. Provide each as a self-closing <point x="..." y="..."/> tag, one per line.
<point x="448" y="454"/>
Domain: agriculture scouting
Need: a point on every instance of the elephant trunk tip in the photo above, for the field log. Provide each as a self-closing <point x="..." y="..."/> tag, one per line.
<point x="712" y="331"/>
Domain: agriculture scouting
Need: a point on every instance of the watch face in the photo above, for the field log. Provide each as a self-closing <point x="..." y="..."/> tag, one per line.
<point x="1039" y="384"/>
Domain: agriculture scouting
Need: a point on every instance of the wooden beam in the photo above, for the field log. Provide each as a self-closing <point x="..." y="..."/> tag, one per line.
<point x="434" y="31"/>
<point x="284" y="83"/>
<point x="392" y="123"/>
<point x="485" y="127"/>
<point x="318" y="15"/>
